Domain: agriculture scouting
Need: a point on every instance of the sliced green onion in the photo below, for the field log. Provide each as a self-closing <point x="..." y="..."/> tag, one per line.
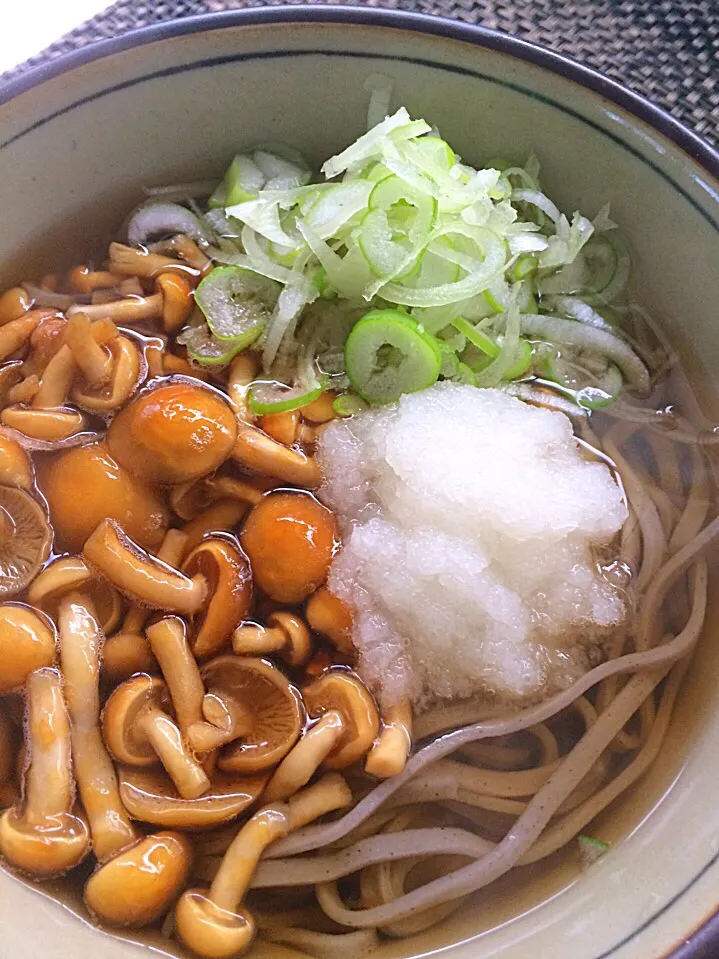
<point x="388" y="354"/>
<point x="237" y="303"/>
<point x="205" y="348"/>
<point x="270" y="396"/>
<point x="522" y="362"/>
<point x="591" y="849"/>
<point x="476" y="337"/>
<point x="525" y="266"/>
<point x="349" y="404"/>
<point x="243" y="181"/>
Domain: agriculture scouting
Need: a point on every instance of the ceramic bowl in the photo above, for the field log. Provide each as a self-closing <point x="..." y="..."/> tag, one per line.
<point x="175" y="102"/>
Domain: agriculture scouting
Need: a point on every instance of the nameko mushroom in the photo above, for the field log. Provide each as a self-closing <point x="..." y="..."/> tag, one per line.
<point x="86" y="485"/>
<point x="346" y="727"/>
<point x="290" y="539"/>
<point x="27" y="642"/>
<point x="263" y="711"/>
<point x="43" y="836"/>
<point x="173" y="433"/>
<point x="139" y="732"/>
<point x="150" y="796"/>
<point x="226" y="571"/>
<point x="138" y="877"/>
<point x="139" y="575"/>
<point x="285" y="634"/>
<point x="212" y="922"/>
<point x="71" y="573"/>
<point x="25" y="540"/>
<point x="15" y="465"/>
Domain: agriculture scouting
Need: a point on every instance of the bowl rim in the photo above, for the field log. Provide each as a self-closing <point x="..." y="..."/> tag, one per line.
<point x="701" y="942"/>
<point x="689" y="142"/>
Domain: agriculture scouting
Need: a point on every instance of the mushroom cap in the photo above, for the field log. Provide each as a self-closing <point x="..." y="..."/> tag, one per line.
<point x="127" y="371"/>
<point x="140" y="884"/>
<point x="69" y="573"/>
<point x="210" y="931"/>
<point x="229" y="592"/>
<point x="27" y="643"/>
<point x="121" y="715"/>
<point x="275" y="705"/>
<point x="290" y="539"/>
<point x="330" y="616"/>
<point x="25" y="541"/>
<point x="341" y="691"/>
<point x="51" y="425"/>
<point x="174" y="432"/>
<point x="149" y="795"/>
<point x="44" y="851"/>
<point x="125" y="654"/>
<point x="15" y="466"/>
<point x="299" y="643"/>
<point x="85" y="485"/>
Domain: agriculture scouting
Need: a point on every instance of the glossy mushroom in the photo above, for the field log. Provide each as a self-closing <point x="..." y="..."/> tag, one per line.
<point x="138" y="877"/>
<point x="257" y="451"/>
<point x="227" y="573"/>
<point x="212" y="922"/>
<point x="49" y="425"/>
<point x="14" y="303"/>
<point x="329" y="616"/>
<point x="285" y="634"/>
<point x="139" y="732"/>
<point x="388" y="755"/>
<point x="150" y="796"/>
<point x="71" y="573"/>
<point x="128" y="651"/>
<point x="134" y="309"/>
<point x="173" y="433"/>
<point x="139" y="575"/>
<point x="263" y="711"/>
<point x="16" y="333"/>
<point x="347" y="725"/>
<point x="43" y="836"/>
<point x="25" y="540"/>
<point x="15" y="465"/>
<point x="177" y="301"/>
<point x="141" y="882"/>
<point x="124" y="371"/>
<point x="170" y="645"/>
<point x="80" y="646"/>
<point x="223" y="516"/>
<point x="27" y="643"/>
<point x="86" y="485"/>
<point x="290" y="539"/>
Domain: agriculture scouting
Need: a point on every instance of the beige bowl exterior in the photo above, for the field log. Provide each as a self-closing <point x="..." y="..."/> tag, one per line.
<point x="74" y="151"/>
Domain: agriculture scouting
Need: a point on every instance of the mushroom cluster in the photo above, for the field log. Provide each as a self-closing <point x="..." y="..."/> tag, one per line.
<point x="171" y="660"/>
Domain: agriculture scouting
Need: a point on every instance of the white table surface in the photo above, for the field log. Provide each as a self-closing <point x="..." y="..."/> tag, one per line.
<point x="28" y="26"/>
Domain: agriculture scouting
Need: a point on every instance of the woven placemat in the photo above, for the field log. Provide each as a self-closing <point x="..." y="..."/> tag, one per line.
<point x="667" y="50"/>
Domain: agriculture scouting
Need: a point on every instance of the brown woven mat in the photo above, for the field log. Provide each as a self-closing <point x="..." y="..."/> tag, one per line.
<point x="667" y="50"/>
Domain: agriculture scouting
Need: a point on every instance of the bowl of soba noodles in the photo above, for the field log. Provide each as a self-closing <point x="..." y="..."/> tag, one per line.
<point x="358" y="513"/>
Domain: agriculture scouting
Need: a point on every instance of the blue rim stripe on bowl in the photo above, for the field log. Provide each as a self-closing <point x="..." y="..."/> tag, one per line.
<point x="703" y="943"/>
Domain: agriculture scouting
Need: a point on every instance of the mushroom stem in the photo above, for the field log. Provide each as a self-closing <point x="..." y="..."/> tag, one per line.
<point x="132" y="310"/>
<point x="243" y="370"/>
<point x="166" y="739"/>
<point x="227" y="720"/>
<point x="56" y="380"/>
<point x="240" y="861"/>
<point x="16" y="333"/>
<point x="137" y="574"/>
<point x="7" y="527"/>
<point x="389" y="754"/>
<point x="327" y="795"/>
<point x="297" y="768"/>
<point x="48" y="788"/>
<point x="257" y="451"/>
<point x="251" y="639"/>
<point x="80" y="642"/>
<point x="94" y="362"/>
<point x="168" y="640"/>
